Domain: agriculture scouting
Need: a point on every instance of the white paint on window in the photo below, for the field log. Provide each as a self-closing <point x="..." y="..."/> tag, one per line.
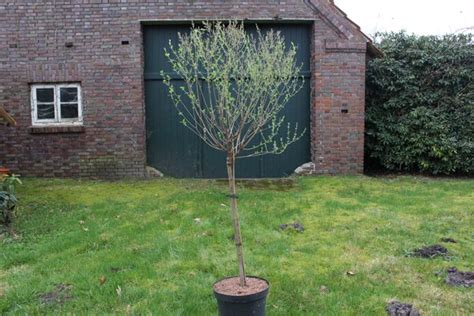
<point x="56" y="104"/>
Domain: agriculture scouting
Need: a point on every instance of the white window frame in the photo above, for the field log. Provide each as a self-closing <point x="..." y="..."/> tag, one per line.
<point x="57" y="105"/>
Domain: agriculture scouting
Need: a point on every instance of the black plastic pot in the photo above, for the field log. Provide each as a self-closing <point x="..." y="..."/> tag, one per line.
<point x="253" y="304"/>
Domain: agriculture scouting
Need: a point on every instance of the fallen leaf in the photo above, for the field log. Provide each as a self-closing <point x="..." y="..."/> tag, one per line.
<point x="85" y="229"/>
<point x="102" y="280"/>
<point x="81" y="222"/>
<point x="350" y="273"/>
<point x="323" y="289"/>
<point x="197" y="220"/>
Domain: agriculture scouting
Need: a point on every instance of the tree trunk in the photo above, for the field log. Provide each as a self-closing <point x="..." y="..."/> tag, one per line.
<point x="235" y="216"/>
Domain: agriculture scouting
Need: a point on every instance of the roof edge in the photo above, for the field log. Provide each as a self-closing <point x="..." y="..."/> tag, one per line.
<point x="372" y="50"/>
<point x="328" y="21"/>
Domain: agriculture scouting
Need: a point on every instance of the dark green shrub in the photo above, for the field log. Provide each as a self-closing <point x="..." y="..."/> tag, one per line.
<point x="420" y="104"/>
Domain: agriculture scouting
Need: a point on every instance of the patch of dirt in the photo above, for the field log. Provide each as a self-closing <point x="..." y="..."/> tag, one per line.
<point x="8" y="232"/>
<point x="59" y="295"/>
<point x="281" y="185"/>
<point x="395" y="308"/>
<point x="458" y="278"/>
<point x="231" y="286"/>
<point x="430" y="252"/>
<point x="296" y="226"/>
<point x="448" y="240"/>
<point x="3" y="289"/>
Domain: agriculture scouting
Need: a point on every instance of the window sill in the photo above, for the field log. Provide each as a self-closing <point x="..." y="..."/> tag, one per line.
<point x="55" y="129"/>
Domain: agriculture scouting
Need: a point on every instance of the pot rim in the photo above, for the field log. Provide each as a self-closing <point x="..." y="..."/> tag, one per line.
<point x="241" y="298"/>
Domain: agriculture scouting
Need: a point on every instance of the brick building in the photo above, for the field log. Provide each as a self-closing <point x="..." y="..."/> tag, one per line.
<point x="72" y="74"/>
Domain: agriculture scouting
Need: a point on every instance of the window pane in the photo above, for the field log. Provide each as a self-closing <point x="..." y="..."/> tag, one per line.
<point x="45" y="111"/>
<point x="69" y="111"/>
<point x="45" y="95"/>
<point x="68" y="94"/>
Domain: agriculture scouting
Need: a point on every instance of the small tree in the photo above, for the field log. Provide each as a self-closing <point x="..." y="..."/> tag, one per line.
<point x="236" y="86"/>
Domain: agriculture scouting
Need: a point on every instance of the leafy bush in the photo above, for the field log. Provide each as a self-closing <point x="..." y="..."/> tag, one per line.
<point x="420" y="104"/>
<point x="8" y="198"/>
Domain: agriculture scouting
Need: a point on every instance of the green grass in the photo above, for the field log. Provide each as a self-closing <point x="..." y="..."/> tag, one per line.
<point x="143" y="237"/>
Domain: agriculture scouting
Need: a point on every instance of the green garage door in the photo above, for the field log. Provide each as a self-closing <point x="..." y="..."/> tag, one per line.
<point x="177" y="152"/>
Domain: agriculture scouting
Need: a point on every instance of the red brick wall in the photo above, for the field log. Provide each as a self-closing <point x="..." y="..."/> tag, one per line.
<point x="112" y="142"/>
<point x="339" y="107"/>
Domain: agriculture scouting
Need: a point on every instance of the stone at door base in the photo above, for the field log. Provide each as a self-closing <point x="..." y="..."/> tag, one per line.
<point x="153" y="173"/>
<point x="306" y="169"/>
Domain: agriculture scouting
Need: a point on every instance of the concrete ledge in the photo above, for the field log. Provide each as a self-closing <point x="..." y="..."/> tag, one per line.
<point x="338" y="46"/>
<point x="55" y="129"/>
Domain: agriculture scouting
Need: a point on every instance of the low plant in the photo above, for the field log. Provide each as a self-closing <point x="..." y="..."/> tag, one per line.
<point x="8" y="198"/>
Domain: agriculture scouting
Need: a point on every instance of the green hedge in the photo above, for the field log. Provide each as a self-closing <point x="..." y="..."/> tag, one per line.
<point x="420" y="104"/>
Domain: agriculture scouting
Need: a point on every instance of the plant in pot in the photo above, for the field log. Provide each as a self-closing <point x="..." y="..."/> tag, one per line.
<point x="235" y="88"/>
<point x="4" y="171"/>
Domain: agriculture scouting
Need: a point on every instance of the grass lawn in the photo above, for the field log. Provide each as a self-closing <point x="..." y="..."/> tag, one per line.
<point x="141" y="247"/>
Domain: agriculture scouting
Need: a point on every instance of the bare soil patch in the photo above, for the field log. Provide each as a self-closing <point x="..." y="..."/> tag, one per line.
<point x="296" y="226"/>
<point x="429" y="252"/>
<point x="448" y="240"/>
<point x="396" y="308"/>
<point x="59" y="295"/>
<point x="231" y="286"/>
<point x="459" y="278"/>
